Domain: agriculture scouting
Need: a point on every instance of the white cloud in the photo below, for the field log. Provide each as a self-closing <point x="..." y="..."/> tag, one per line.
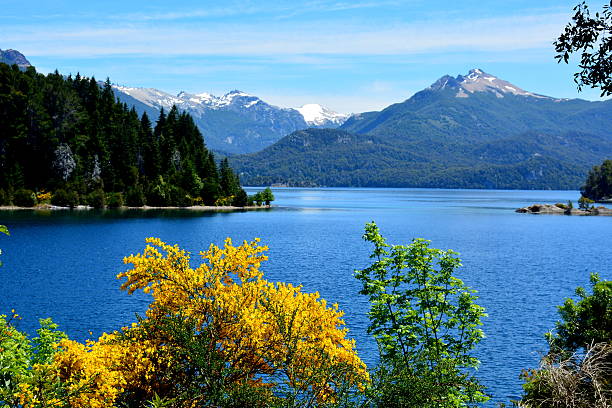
<point x="307" y="40"/>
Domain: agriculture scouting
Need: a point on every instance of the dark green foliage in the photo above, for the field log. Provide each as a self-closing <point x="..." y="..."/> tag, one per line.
<point x="586" y="321"/>
<point x="24" y="198"/>
<point x="267" y="196"/>
<point x="65" y="198"/>
<point x="251" y="200"/>
<point x="210" y="192"/>
<point x="577" y="371"/>
<point x="331" y="157"/>
<point x="598" y="185"/>
<point x="114" y="200"/>
<point x="228" y="181"/>
<point x="71" y="134"/>
<point x="135" y="196"/>
<point x="178" y="197"/>
<point x="426" y="323"/>
<point x="257" y="198"/>
<point x="241" y="199"/>
<point x="4" y="198"/>
<point x="591" y="37"/>
<point x="157" y="195"/>
<point x="585" y="203"/>
<point x="97" y="199"/>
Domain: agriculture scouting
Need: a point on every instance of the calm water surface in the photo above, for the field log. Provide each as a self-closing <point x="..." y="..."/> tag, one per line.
<point x="63" y="264"/>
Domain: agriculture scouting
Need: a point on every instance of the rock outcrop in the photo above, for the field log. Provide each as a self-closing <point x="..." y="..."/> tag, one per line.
<point x="562" y="209"/>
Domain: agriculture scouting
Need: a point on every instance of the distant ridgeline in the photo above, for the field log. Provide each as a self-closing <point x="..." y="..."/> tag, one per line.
<point x="473" y="131"/>
<point x="71" y="137"/>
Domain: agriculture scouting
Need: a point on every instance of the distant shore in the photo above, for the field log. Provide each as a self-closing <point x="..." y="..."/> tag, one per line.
<point x="49" y="207"/>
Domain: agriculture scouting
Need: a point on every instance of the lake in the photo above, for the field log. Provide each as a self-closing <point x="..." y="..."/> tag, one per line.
<point x="63" y="264"/>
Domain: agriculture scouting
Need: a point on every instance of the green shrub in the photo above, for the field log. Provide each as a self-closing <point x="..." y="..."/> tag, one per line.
<point x="24" y="198"/>
<point x="562" y="206"/>
<point x="157" y="194"/>
<point x="585" y="203"/>
<point x="4" y="198"/>
<point x="426" y="323"/>
<point x="135" y="197"/>
<point x="65" y="198"/>
<point x="115" y="200"/>
<point x="96" y="199"/>
<point x="241" y="199"/>
<point x="23" y="359"/>
<point x="576" y="371"/>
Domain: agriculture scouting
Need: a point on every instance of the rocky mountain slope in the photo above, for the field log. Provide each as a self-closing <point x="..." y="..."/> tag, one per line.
<point x="12" y="57"/>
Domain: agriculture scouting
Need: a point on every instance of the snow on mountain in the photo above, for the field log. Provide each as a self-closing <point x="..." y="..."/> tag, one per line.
<point x="151" y="97"/>
<point x="479" y="81"/>
<point x="236" y="122"/>
<point x="183" y="100"/>
<point x="319" y="116"/>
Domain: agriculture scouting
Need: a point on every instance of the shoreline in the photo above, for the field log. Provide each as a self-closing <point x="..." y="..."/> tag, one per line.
<point x="204" y="208"/>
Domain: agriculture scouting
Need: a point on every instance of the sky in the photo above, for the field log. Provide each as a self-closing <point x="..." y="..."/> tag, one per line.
<point x="349" y="55"/>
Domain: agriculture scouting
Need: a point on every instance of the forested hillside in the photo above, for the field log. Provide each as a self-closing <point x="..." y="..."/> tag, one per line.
<point x="72" y="138"/>
<point x="331" y="157"/>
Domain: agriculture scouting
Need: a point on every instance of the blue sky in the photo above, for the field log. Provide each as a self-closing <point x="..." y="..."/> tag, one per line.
<point x="352" y="56"/>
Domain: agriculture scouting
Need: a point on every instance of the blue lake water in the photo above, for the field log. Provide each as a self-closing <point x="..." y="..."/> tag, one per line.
<point x="63" y="264"/>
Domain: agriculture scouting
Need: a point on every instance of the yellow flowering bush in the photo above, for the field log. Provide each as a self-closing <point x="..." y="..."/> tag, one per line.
<point x="43" y="196"/>
<point x="215" y="335"/>
<point x="97" y="372"/>
<point x="271" y="334"/>
<point x="224" y="201"/>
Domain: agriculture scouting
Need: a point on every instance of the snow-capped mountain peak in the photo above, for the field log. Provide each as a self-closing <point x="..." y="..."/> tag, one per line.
<point x="184" y="100"/>
<point x="479" y="81"/>
<point x="150" y="96"/>
<point x="317" y="115"/>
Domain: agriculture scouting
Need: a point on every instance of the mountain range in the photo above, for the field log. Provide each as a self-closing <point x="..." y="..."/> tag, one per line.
<point x="236" y="122"/>
<point x="467" y="131"/>
<point x="472" y="131"/>
<point x="231" y="124"/>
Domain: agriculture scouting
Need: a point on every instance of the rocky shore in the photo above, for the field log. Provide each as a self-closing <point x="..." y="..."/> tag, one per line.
<point x="562" y="209"/>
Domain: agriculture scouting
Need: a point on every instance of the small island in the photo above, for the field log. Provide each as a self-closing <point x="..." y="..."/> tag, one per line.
<point x="563" y="209"/>
<point x="596" y="189"/>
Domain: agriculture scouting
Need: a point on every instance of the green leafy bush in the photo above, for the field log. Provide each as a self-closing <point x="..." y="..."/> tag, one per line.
<point x="585" y="203"/>
<point x="65" y="198"/>
<point x="426" y="323"/>
<point x="577" y="371"/>
<point x="97" y="199"/>
<point x="135" y="196"/>
<point x="23" y="362"/>
<point x="24" y="198"/>
<point x="115" y="200"/>
<point x="4" y="198"/>
<point x="240" y="199"/>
